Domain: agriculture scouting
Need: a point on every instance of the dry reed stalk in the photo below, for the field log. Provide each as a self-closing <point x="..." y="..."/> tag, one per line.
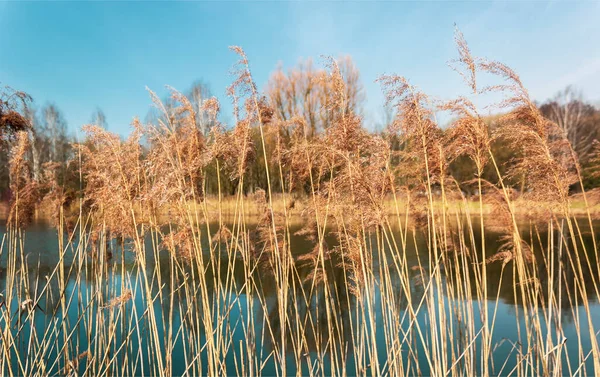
<point x="334" y="303"/>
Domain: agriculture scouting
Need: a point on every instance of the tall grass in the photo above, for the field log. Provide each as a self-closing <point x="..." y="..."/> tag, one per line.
<point x="152" y="279"/>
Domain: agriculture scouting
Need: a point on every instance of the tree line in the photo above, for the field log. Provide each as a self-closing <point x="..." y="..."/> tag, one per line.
<point x="301" y="92"/>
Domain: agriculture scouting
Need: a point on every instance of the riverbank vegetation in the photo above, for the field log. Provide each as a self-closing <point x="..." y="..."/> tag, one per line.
<point x="352" y="303"/>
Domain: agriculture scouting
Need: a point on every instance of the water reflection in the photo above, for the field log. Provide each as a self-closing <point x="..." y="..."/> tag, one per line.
<point x="317" y="287"/>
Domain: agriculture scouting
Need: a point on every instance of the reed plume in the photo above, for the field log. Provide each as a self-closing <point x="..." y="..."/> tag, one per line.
<point x="25" y="191"/>
<point x="114" y="175"/>
<point x="544" y="156"/>
<point x="395" y="273"/>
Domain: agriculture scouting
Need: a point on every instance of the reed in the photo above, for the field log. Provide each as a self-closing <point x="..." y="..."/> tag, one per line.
<point x="395" y="275"/>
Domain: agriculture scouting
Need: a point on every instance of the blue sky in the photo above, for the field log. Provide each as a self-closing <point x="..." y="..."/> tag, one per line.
<point x="84" y="55"/>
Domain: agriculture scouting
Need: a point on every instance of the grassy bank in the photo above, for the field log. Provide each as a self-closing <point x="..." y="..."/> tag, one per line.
<point x="297" y="207"/>
<point x="394" y="276"/>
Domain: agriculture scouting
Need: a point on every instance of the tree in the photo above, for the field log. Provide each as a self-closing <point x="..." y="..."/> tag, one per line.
<point x="34" y="142"/>
<point x="387" y="116"/>
<point x="11" y="119"/>
<point x="99" y="119"/>
<point x="576" y="118"/>
<point x="197" y="94"/>
<point x="308" y="93"/>
<point x="54" y="127"/>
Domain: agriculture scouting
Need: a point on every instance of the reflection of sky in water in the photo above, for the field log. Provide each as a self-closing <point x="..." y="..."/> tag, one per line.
<point x="41" y="249"/>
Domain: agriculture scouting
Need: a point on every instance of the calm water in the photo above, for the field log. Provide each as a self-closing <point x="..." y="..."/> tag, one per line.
<point x="41" y="249"/>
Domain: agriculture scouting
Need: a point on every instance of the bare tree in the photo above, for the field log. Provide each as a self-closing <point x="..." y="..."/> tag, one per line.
<point x="386" y="118"/>
<point x="308" y="93"/>
<point x="30" y="114"/>
<point x="11" y="120"/>
<point x="355" y="95"/>
<point x="54" y="127"/>
<point x="99" y="119"/>
<point x="197" y="94"/>
<point x="574" y="117"/>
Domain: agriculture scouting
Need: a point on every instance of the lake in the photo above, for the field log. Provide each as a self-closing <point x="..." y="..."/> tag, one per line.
<point x="124" y="314"/>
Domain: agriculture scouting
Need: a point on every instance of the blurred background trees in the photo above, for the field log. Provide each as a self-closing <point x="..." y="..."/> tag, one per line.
<point x="307" y="92"/>
<point x="302" y="91"/>
<point x="580" y="122"/>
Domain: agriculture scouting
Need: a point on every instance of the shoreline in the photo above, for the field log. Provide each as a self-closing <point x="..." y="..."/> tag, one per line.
<point x="523" y="208"/>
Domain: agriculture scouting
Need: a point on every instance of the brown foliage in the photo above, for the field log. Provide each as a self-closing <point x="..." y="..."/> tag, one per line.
<point x="424" y="160"/>
<point x="11" y="120"/>
<point x="114" y="174"/>
<point x="25" y="193"/>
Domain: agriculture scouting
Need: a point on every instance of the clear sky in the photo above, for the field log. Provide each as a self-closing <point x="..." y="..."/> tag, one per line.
<point x="84" y="55"/>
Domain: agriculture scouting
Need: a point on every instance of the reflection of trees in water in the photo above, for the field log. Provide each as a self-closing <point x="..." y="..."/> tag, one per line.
<point x="553" y="273"/>
<point x="46" y="264"/>
<point x="304" y="327"/>
<point x="38" y="285"/>
<point x="347" y="301"/>
<point x="563" y="272"/>
<point x="44" y="287"/>
<point x="306" y="310"/>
